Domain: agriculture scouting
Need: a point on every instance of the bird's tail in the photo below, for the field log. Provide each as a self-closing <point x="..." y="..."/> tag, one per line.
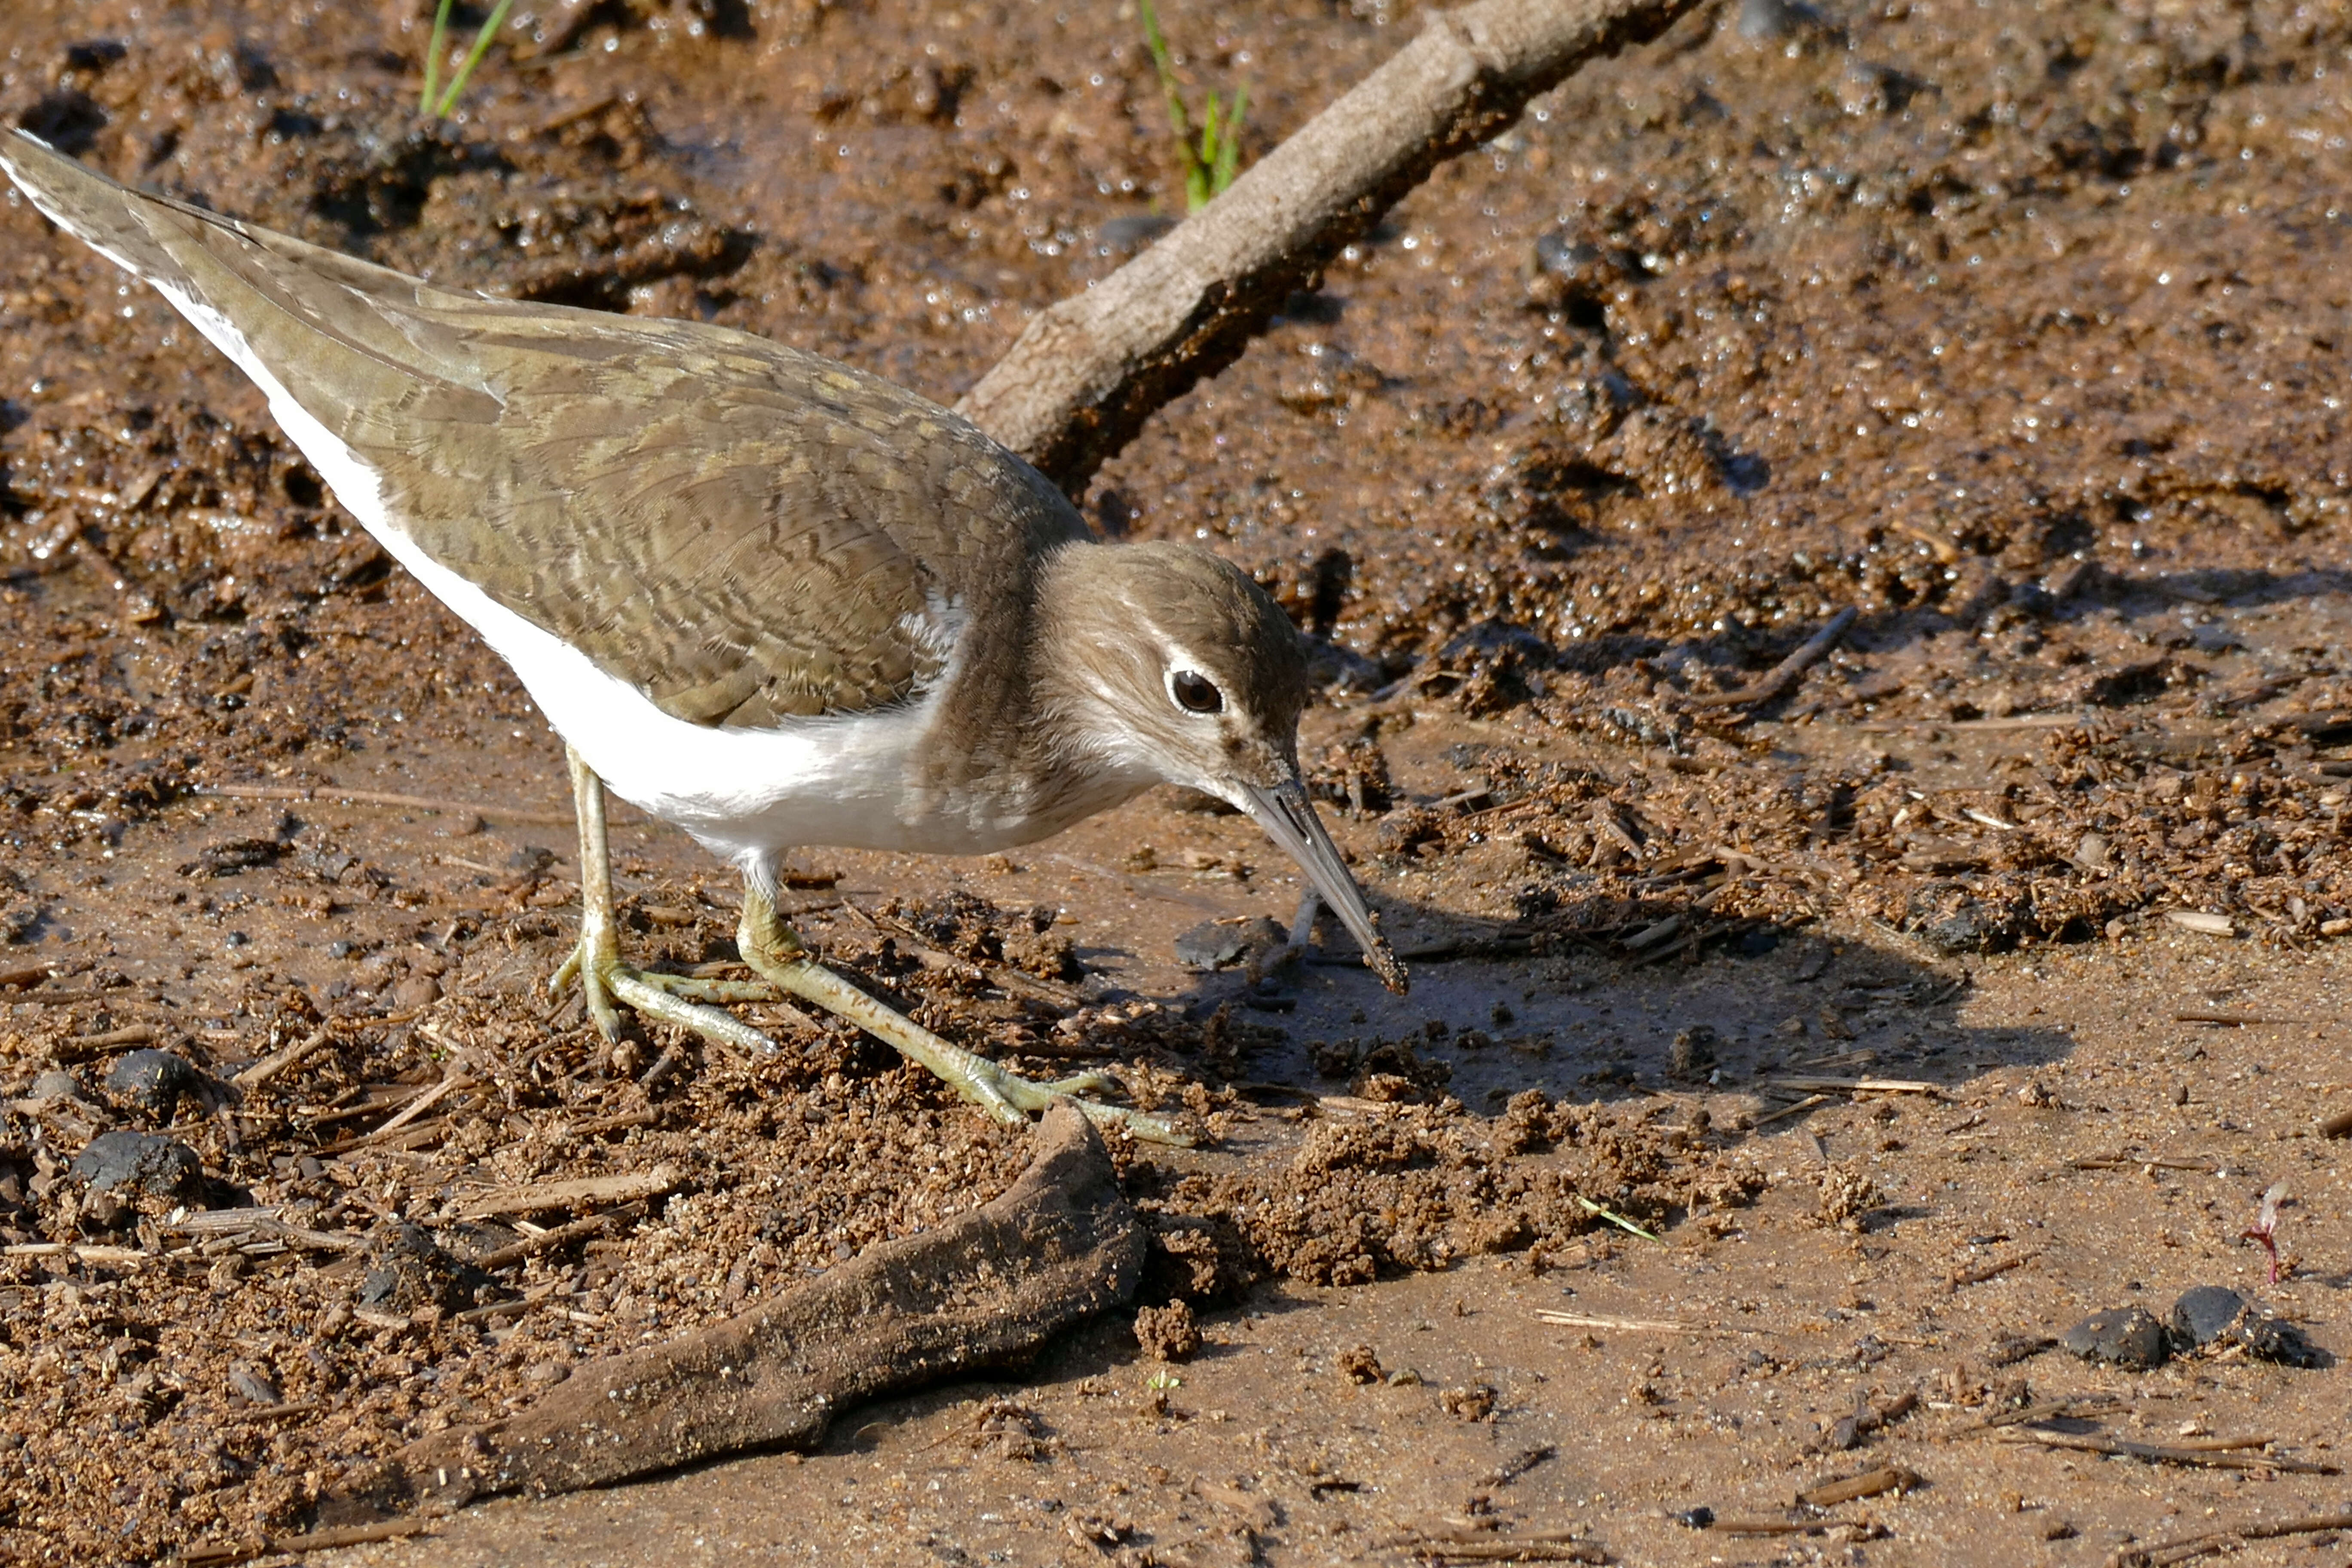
<point x="297" y="317"/>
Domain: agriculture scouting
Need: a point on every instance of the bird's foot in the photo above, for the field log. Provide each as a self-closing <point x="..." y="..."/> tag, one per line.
<point x="771" y="950"/>
<point x="680" y="999"/>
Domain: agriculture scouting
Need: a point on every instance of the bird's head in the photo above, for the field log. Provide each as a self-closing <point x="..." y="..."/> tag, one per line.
<point x="1171" y="664"/>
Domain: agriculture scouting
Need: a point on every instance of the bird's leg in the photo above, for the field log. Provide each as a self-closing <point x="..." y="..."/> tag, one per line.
<point x="773" y="949"/>
<point x="597" y="963"/>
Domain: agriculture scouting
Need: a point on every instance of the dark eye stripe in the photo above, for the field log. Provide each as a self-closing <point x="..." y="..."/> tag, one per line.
<point x="1195" y="693"/>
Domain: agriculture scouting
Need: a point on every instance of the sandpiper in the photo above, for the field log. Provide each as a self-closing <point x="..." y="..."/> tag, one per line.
<point x="762" y="595"/>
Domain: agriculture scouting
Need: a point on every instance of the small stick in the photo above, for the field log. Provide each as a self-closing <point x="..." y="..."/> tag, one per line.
<point x="449" y="1085"/>
<point x="23" y="974"/>
<point x="581" y="1193"/>
<point x="1785" y="674"/>
<point x="2164" y="1454"/>
<point x="1870" y="1483"/>
<point x="1768" y="1526"/>
<point x="1641" y="1325"/>
<point x="1799" y="1108"/>
<point x="2236" y="1018"/>
<point x="531" y="1245"/>
<point x="1861" y="1086"/>
<point x="280" y="1060"/>
<point x="1985" y="1271"/>
<point x="118" y="1255"/>
<point x="112" y="1040"/>
<point x="2161" y="1554"/>
<point x="381" y="797"/>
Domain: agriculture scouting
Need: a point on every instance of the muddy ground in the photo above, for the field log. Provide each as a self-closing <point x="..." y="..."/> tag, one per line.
<point x="2020" y="330"/>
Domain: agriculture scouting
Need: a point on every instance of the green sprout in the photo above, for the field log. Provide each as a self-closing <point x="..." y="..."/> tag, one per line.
<point x="1618" y="1220"/>
<point x="1211" y="156"/>
<point x="1163" y="1382"/>
<point x="426" y="103"/>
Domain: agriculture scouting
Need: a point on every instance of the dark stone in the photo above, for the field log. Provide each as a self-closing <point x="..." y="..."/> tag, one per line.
<point x="2204" y="1314"/>
<point x="154" y="1081"/>
<point x="1700" y="1518"/>
<point x="138" y="1163"/>
<point x="2126" y="1337"/>
<point x="1755" y="943"/>
<point x="56" y="1084"/>
<point x="2213" y="1317"/>
<point x="1219" y="945"/>
<point x="407" y="1269"/>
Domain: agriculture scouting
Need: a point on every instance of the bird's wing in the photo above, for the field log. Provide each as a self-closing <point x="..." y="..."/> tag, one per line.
<point x="740" y="530"/>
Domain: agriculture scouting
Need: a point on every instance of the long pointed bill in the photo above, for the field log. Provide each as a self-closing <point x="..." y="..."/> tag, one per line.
<point x="1283" y="811"/>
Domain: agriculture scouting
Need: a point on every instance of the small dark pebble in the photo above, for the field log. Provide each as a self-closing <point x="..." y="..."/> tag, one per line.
<point x="1758" y="943"/>
<point x="149" y="1163"/>
<point x="2127" y="1337"/>
<point x="2203" y="1314"/>
<point x="152" y="1080"/>
<point x="1696" y="1518"/>
<point x="2214" y="1317"/>
<point x="1214" y="944"/>
<point x="56" y="1084"/>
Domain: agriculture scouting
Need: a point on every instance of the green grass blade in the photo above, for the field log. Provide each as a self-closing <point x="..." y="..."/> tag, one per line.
<point x="1618" y="1220"/>
<point x="482" y="42"/>
<point x="433" y="57"/>
<point x="1229" y="149"/>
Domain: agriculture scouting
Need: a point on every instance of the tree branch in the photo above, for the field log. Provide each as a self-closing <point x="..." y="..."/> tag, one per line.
<point x="1087" y="373"/>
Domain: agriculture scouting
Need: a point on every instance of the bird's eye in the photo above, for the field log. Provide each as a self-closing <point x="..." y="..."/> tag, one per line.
<point x="1195" y="692"/>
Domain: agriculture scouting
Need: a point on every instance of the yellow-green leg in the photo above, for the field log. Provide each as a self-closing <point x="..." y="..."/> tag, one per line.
<point x="597" y="963"/>
<point x="772" y="950"/>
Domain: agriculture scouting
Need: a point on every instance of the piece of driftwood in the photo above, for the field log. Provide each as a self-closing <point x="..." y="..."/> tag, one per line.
<point x="1059" y="1246"/>
<point x="1087" y="372"/>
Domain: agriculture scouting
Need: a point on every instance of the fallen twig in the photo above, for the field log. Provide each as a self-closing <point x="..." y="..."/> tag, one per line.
<point x="1806" y="1085"/>
<point x="2171" y="1454"/>
<point x="531" y="1246"/>
<point x="381" y="797"/>
<point x="1984" y="1272"/>
<point x="1087" y="373"/>
<point x="586" y="1193"/>
<point x="1808" y="1103"/>
<point x="1641" y="1325"/>
<point x="1870" y="1483"/>
<point x="278" y="1062"/>
<point x="315" y="1540"/>
<point x="2161" y="1553"/>
<point x="1785" y="674"/>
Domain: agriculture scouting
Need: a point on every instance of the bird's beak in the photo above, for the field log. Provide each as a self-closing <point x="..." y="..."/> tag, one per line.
<point x="1283" y="812"/>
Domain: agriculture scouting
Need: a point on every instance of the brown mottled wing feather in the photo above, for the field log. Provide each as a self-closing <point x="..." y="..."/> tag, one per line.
<point x="739" y="530"/>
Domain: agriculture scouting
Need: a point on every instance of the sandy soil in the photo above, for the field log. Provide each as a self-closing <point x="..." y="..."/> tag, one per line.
<point x="2019" y="330"/>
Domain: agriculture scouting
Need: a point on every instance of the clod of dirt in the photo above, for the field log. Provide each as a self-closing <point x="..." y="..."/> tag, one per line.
<point x="407" y="1269"/>
<point x="2126" y="1337"/>
<point x="1693" y="1055"/>
<point x="1476" y="1403"/>
<point x="153" y="1080"/>
<point x="146" y="1163"/>
<point x="1848" y="1193"/>
<point x="1169" y="1333"/>
<point x="1360" y="1364"/>
<point x="2217" y="1318"/>
<point x="1219" y="945"/>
